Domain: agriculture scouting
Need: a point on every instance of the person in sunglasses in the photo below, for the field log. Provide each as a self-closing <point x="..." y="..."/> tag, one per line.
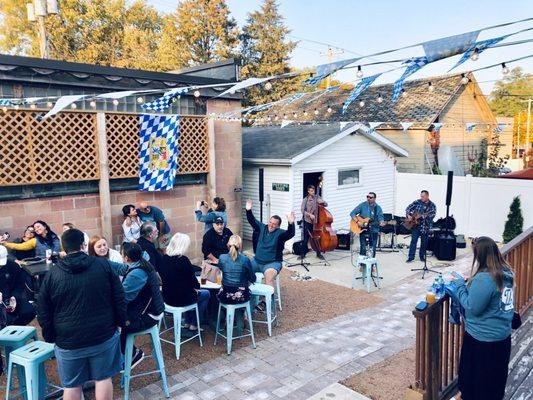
<point x="369" y="209"/>
<point x="29" y="234"/>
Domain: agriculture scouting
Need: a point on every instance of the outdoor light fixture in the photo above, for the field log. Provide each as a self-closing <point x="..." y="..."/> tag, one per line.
<point x="329" y="110"/>
<point x="93" y="104"/>
<point x="431" y="88"/>
<point x="49" y="104"/>
<point x="115" y="102"/>
<point x="362" y="103"/>
<point x="505" y="69"/>
<point x="359" y="73"/>
<point x="268" y="86"/>
<point x="464" y="79"/>
<point x="73" y="106"/>
<point x="316" y="111"/>
<point x="140" y="100"/>
<point x="196" y="93"/>
<point x="475" y="55"/>
<point x="404" y="93"/>
<point x="380" y="99"/>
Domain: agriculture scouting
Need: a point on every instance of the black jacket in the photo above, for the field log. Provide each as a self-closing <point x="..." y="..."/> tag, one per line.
<point x="215" y="244"/>
<point x="12" y="281"/>
<point x="80" y="302"/>
<point x="149" y="300"/>
<point x="179" y="281"/>
<point x="149" y="247"/>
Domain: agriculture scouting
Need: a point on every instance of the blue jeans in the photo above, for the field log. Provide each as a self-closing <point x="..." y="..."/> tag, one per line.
<point x="203" y="300"/>
<point x="415" y="234"/>
<point x="372" y="238"/>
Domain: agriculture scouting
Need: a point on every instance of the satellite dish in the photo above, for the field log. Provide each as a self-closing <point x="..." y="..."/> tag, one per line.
<point x="448" y="161"/>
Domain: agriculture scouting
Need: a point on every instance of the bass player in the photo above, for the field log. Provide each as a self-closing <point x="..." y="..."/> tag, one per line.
<point x="309" y="210"/>
<point x="372" y="212"/>
<point x="420" y="213"/>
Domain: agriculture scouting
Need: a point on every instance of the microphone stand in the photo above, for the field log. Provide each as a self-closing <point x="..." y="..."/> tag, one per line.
<point x="425" y="269"/>
<point x="302" y="262"/>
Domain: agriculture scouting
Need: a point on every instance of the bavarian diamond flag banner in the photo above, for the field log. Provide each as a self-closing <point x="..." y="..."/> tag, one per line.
<point x="159" y="151"/>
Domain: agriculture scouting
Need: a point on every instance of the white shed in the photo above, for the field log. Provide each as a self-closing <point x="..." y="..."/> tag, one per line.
<point x="352" y="161"/>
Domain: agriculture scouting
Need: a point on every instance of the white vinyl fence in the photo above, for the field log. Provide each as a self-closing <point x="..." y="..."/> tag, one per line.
<point x="479" y="205"/>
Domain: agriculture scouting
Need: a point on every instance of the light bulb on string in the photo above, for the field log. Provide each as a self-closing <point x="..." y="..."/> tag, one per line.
<point x="73" y="106"/>
<point x="362" y="103"/>
<point x="380" y="98"/>
<point x="16" y="106"/>
<point x="33" y="106"/>
<point x="329" y="110"/>
<point x="4" y="109"/>
<point x="268" y="86"/>
<point x="306" y="113"/>
<point x="276" y="117"/>
<point x="359" y="72"/>
<point x="475" y="55"/>
<point x="404" y="93"/>
<point x="140" y="100"/>
<point x="93" y="104"/>
<point x="196" y="93"/>
<point x="431" y="88"/>
<point x="294" y="115"/>
<point x="464" y="79"/>
<point x="115" y="102"/>
<point x="505" y="69"/>
<point x="316" y="111"/>
<point x="49" y="104"/>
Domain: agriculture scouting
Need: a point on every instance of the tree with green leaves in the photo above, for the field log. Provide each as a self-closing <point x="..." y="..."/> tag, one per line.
<point x="515" y="221"/>
<point x="505" y="99"/>
<point x="105" y="32"/>
<point x="265" y="51"/>
<point x="489" y="162"/>
<point x="200" y="31"/>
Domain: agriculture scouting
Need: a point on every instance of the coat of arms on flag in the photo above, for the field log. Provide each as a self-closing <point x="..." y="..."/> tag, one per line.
<point x="158" y="152"/>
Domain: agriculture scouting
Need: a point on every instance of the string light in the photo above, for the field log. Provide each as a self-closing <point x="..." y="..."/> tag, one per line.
<point x="49" y="104"/>
<point x="329" y="110"/>
<point x="475" y="55"/>
<point x="268" y="86"/>
<point x="17" y="106"/>
<point x="33" y="106"/>
<point x="380" y="98"/>
<point x="73" y="106"/>
<point x="316" y="111"/>
<point x="196" y="93"/>
<point x="92" y="104"/>
<point x="404" y="93"/>
<point x="431" y="88"/>
<point x="464" y="79"/>
<point x="140" y="100"/>
<point x="359" y="73"/>
<point x="115" y="102"/>
<point x="362" y="103"/>
<point x="306" y="113"/>
<point x="4" y="109"/>
<point x="276" y="117"/>
<point x="505" y="69"/>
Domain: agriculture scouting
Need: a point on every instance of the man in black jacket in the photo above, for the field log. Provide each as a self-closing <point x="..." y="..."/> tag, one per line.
<point x="215" y="241"/>
<point x="80" y="305"/>
<point x="148" y="236"/>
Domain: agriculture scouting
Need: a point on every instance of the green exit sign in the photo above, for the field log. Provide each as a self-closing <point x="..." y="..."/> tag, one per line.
<point x="280" y="187"/>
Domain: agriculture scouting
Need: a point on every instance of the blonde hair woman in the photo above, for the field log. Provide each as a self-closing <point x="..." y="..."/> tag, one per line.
<point x="180" y="285"/>
<point x="237" y="273"/>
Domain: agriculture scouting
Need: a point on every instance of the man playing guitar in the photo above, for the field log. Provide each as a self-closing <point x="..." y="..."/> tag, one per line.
<point x="310" y="214"/>
<point x="372" y="211"/>
<point x="422" y="211"/>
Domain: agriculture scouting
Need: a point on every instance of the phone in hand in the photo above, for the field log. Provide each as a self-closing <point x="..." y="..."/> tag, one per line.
<point x="457" y="275"/>
<point x="4" y="237"/>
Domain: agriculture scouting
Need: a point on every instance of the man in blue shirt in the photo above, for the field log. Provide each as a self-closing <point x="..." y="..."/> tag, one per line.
<point x="153" y="214"/>
<point x="369" y="209"/>
<point x="427" y="209"/>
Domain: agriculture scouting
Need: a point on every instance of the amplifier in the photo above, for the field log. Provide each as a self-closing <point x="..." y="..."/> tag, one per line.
<point x="343" y="241"/>
<point x="298" y="248"/>
<point x="444" y="247"/>
<point x="460" y="241"/>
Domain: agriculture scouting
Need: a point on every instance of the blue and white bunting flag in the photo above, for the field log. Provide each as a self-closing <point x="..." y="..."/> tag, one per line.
<point x="405" y="126"/>
<point x="435" y="127"/>
<point x="360" y="88"/>
<point x="159" y="151"/>
<point x="324" y="70"/>
<point x="374" y="125"/>
<point x="322" y="93"/>
<point x="61" y="103"/>
<point x="499" y="128"/>
<point x="294" y="97"/>
<point x="449" y="46"/>
<point x="244" y="84"/>
<point x="162" y="103"/>
<point x="480" y="47"/>
<point x="6" y="102"/>
<point x="286" y="122"/>
<point x="470" y="126"/>
<point x="413" y="65"/>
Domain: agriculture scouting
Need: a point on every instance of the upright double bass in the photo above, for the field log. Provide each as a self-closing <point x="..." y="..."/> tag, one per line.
<point x="324" y="237"/>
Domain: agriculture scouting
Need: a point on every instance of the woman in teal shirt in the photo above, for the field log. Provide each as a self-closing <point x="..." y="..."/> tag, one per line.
<point x="487" y="298"/>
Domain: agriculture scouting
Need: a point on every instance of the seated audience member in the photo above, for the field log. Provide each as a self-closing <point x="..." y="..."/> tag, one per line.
<point x="144" y="301"/>
<point x="215" y="241"/>
<point x="98" y="248"/>
<point x="146" y="242"/>
<point x="237" y="274"/>
<point x="208" y="216"/>
<point x="29" y="233"/>
<point x="132" y="224"/>
<point x="180" y="285"/>
<point x="44" y="240"/>
<point x="70" y="225"/>
<point x="13" y="290"/>
<point x="153" y="214"/>
<point x="80" y="306"/>
<point x="270" y="243"/>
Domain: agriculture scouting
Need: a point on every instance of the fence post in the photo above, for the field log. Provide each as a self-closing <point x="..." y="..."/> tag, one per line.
<point x="104" y="191"/>
<point x="212" y="176"/>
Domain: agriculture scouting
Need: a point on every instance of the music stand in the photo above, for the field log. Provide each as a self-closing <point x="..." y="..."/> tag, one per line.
<point x="425" y="268"/>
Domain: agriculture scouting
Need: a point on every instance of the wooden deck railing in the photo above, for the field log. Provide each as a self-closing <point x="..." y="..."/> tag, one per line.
<point x="438" y="343"/>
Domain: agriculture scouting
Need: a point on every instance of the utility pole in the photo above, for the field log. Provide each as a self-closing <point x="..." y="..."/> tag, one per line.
<point x="37" y="12"/>
<point x="329" y="56"/>
<point x="526" y="151"/>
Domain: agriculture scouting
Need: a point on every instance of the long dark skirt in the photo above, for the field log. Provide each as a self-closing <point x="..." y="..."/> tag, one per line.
<point x="483" y="368"/>
<point x="234" y="295"/>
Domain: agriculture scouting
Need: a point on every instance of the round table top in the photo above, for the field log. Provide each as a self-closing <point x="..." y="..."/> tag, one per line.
<point x="208" y="285"/>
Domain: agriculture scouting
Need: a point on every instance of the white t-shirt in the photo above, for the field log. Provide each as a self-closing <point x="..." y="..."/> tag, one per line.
<point x="115" y="256"/>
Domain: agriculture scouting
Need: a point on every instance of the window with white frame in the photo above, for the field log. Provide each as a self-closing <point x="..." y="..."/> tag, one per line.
<point x="348" y="177"/>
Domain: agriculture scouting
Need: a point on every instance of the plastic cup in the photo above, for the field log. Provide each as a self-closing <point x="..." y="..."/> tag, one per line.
<point x="430" y="297"/>
<point x="219" y="279"/>
<point x="203" y="280"/>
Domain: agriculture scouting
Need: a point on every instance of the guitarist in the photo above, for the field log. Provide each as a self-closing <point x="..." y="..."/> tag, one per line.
<point x="426" y="210"/>
<point x="369" y="209"/>
<point x="309" y="210"/>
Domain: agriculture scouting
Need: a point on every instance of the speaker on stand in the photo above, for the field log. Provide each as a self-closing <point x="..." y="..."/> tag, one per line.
<point x="261" y="192"/>
<point x="445" y="242"/>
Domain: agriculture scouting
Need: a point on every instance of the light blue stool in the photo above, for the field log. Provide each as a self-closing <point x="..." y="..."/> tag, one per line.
<point x="157" y="353"/>
<point x="277" y="296"/>
<point x="230" y="317"/>
<point x="261" y="289"/>
<point x="177" y="312"/>
<point x="31" y="357"/>
<point x="13" y="337"/>
<point x="368" y="266"/>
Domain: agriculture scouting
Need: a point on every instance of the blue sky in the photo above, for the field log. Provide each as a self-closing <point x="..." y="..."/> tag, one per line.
<point x="365" y="27"/>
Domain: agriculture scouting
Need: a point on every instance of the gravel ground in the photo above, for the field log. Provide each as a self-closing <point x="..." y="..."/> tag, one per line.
<point x="387" y="380"/>
<point x="304" y="303"/>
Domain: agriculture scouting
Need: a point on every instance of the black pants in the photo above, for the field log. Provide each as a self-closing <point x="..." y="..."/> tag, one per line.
<point x="308" y="227"/>
<point x="24" y="313"/>
<point x="135" y="325"/>
<point x="483" y="368"/>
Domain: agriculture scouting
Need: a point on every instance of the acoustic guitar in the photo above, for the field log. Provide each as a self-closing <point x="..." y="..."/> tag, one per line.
<point x="359" y="224"/>
<point x="414" y="220"/>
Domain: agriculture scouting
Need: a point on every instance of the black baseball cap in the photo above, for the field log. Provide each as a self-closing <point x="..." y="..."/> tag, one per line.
<point x="218" y="220"/>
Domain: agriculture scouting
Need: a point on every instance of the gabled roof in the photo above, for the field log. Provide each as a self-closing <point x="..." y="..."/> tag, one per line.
<point x="293" y="143"/>
<point x="419" y="105"/>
